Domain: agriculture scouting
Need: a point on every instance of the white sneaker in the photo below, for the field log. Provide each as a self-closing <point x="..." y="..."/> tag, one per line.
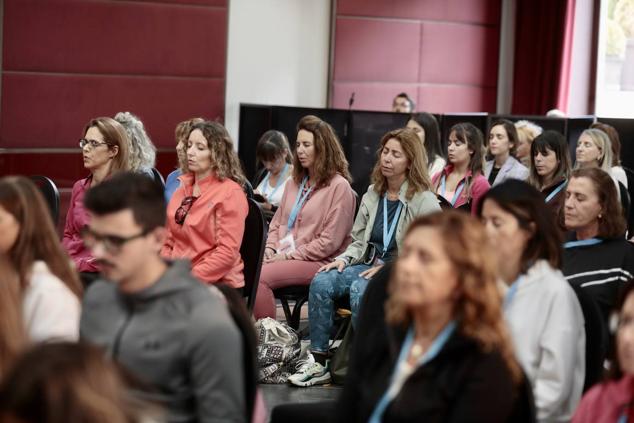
<point x="310" y="374"/>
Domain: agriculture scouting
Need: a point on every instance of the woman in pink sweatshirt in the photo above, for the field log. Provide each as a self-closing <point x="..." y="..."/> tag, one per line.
<point x="313" y="222"/>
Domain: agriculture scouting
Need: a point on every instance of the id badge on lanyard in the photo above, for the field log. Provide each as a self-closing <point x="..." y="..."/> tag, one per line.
<point x="287" y="244"/>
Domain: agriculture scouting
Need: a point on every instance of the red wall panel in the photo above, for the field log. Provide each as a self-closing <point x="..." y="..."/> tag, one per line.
<point x="51" y="110"/>
<point x="66" y="61"/>
<point x="443" y="53"/>
<point x="109" y="37"/>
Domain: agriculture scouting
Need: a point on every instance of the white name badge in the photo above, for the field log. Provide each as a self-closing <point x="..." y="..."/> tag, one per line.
<point x="287" y="244"/>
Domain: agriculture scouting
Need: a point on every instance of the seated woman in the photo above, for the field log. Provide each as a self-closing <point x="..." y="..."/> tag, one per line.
<point x="615" y="144"/>
<point x="312" y="224"/>
<point x="275" y="155"/>
<point x="541" y="309"/>
<point x="461" y="182"/>
<point x="141" y="151"/>
<point x="611" y="401"/>
<point x="400" y="192"/>
<point x="527" y="131"/>
<point x="105" y="151"/>
<point x="446" y="353"/>
<point x="40" y="291"/>
<point x="182" y="132"/>
<point x="426" y="127"/>
<point x="599" y="260"/>
<point x="205" y="217"/>
<point x="502" y="147"/>
<point x="550" y="169"/>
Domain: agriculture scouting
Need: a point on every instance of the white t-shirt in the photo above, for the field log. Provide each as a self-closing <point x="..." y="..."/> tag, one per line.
<point x="50" y="309"/>
<point x="273" y="195"/>
<point x="436" y="166"/>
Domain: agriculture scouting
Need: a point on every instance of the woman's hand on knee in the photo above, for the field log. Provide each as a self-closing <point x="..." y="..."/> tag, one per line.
<point x="268" y="253"/>
<point x="337" y="264"/>
<point x="368" y="274"/>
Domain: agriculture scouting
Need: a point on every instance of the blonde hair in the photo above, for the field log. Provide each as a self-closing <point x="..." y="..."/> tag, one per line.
<point x="478" y="308"/>
<point x="602" y="141"/>
<point x="224" y="160"/>
<point x="417" y="175"/>
<point x="527" y="131"/>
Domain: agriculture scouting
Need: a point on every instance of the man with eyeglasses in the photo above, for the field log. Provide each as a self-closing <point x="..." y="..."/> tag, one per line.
<point x="152" y="316"/>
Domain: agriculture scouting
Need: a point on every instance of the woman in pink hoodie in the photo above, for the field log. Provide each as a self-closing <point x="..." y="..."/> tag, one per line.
<point x="313" y="222"/>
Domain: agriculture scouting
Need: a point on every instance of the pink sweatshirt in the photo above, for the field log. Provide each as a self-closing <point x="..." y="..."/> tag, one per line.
<point x="211" y="234"/>
<point x="479" y="187"/>
<point x="76" y="218"/>
<point x="322" y="229"/>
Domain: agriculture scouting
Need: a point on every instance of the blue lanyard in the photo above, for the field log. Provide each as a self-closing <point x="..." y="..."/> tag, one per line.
<point x="431" y="353"/>
<point x="443" y="189"/>
<point x="510" y="294"/>
<point x="582" y="243"/>
<point x="280" y="180"/>
<point x="387" y="235"/>
<point x="299" y="202"/>
<point x="556" y="191"/>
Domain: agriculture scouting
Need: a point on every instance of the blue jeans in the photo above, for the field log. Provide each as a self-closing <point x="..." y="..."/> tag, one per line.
<point x="325" y="288"/>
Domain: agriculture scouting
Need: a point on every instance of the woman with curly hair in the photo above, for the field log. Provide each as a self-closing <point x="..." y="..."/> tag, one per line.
<point x="312" y="224"/>
<point x="205" y="217"/>
<point x="141" y="150"/>
<point x="446" y="352"/>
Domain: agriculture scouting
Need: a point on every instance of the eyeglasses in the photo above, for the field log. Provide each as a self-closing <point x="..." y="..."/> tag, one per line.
<point x="183" y="209"/>
<point x="92" y="143"/>
<point x="111" y="243"/>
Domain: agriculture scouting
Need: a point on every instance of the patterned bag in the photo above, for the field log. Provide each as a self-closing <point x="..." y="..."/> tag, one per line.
<point x="278" y="350"/>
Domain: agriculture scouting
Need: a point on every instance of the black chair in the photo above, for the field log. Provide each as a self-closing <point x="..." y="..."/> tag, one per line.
<point x="158" y="178"/>
<point x="252" y="251"/>
<point x="51" y="194"/>
<point x="299" y="294"/>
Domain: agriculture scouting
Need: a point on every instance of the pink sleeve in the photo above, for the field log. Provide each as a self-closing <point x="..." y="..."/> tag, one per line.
<point x="584" y="412"/>
<point x="479" y="188"/>
<point x="337" y="226"/>
<point x="229" y="227"/>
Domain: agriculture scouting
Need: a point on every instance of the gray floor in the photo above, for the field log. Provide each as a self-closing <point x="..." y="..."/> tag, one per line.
<point x="282" y="394"/>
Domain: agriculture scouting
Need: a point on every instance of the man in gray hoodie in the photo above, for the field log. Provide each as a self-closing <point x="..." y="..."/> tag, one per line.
<point x="152" y="316"/>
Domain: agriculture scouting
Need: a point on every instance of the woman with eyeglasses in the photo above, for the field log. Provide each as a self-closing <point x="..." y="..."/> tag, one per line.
<point x="205" y="217"/>
<point x="39" y="289"/>
<point x="105" y="151"/>
<point x="461" y="182"/>
<point x="312" y="224"/>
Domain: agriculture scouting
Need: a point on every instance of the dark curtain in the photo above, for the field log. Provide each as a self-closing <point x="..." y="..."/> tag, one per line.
<point x="540" y="33"/>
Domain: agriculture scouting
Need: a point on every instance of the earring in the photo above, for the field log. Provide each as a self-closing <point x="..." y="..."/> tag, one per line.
<point x="600" y="216"/>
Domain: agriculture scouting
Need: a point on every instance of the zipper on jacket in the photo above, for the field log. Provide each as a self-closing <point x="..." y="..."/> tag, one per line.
<point x="119" y="335"/>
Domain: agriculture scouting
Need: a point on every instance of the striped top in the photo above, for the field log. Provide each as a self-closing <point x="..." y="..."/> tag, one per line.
<point x="601" y="270"/>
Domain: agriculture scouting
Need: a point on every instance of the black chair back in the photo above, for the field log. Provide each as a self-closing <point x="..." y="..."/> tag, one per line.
<point x="158" y="178"/>
<point x="252" y="250"/>
<point x="51" y="194"/>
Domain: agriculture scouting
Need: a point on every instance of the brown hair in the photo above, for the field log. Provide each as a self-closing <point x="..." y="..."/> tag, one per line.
<point x="549" y="140"/>
<point x="271" y="145"/>
<point x="477" y="309"/>
<point x="526" y="204"/>
<point x="511" y="133"/>
<point x="68" y="382"/>
<point x="417" y="176"/>
<point x="224" y="160"/>
<point x="13" y="336"/>
<point x="615" y="140"/>
<point x="180" y="134"/>
<point x="612" y="223"/>
<point x="114" y="134"/>
<point x="615" y="370"/>
<point x="37" y="239"/>
<point x="329" y="157"/>
<point x="472" y="136"/>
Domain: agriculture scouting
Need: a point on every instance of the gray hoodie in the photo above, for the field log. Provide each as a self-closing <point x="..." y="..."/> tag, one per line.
<point x="178" y="337"/>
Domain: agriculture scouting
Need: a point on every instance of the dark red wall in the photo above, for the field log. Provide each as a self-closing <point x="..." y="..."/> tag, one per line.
<point x="66" y="61"/>
<point x="443" y="53"/>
